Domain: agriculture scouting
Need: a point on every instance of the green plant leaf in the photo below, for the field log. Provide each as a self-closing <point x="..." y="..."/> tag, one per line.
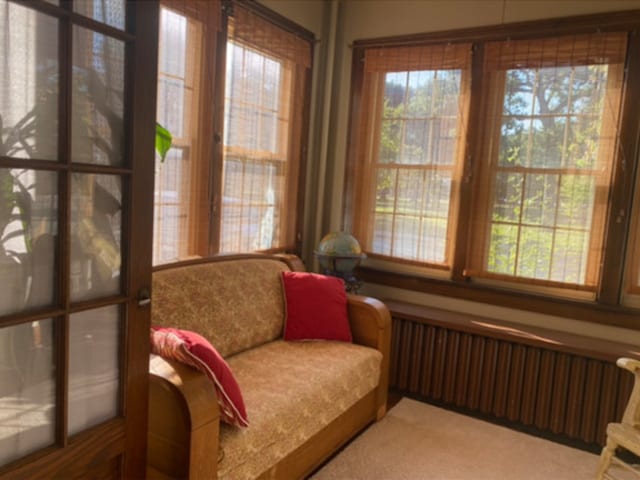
<point x="163" y="141"/>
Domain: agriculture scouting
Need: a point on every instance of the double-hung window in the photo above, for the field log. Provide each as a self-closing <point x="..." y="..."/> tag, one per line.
<point x="186" y="62"/>
<point x="411" y="139"/>
<point x="233" y="91"/>
<point x="548" y="152"/>
<point x="266" y="69"/>
<point x="499" y="163"/>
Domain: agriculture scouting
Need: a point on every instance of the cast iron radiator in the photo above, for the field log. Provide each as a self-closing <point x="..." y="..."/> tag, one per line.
<point x="557" y="384"/>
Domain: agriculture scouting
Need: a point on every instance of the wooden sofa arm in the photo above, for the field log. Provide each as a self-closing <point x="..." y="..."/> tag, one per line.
<point x="183" y="419"/>
<point x="371" y="326"/>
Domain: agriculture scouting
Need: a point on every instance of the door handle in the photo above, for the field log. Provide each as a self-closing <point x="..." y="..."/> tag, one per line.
<point x="144" y="297"/>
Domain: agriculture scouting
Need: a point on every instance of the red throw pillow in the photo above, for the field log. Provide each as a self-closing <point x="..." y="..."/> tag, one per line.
<point x="316" y="307"/>
<point x="194" y="350"/>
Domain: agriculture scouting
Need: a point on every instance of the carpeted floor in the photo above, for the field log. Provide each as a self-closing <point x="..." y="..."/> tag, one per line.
<point x="418" y="441"/>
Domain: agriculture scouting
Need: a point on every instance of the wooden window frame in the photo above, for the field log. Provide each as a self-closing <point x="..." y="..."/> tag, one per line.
<point x="207" y="176"/>
<point x="607" y="308"/>
<point x="277" y="159"/>
<point x="440" y="59"/>
<point x="196" y="143"/>
<point x="302" y="84"/>
<point x="488" y="169"/>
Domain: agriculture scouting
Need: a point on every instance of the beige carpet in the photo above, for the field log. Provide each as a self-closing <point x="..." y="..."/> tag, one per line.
<point x="419" y="441"/>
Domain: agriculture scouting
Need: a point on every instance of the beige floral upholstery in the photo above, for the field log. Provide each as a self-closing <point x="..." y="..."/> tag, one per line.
<point x="291" y="391"/>
<point x="231" y="323"/>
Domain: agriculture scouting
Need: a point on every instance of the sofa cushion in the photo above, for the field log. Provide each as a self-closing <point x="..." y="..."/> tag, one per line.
<point x="208" y="298"/>
<point x="316" y="307"/>
<point x="194" y="350"/>
<point x="291" y="391"/>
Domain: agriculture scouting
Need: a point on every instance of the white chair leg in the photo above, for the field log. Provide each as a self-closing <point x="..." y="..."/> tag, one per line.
<point x="605" y="458"/>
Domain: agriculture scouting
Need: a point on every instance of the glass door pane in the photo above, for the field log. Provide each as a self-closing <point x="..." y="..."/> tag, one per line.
<point x="96" y="234"/>
<point x="28" y="230"/>
<point x="111" y="12"/>
<point x="71" y="169"/>
<point x="28" y="83"/>
<point x="27" y="389"/>
<point x="97" y="98"/>
<point x="94" y="367"/>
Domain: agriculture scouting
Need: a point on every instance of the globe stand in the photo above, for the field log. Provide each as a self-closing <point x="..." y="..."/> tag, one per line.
<point x="330" y="266"/>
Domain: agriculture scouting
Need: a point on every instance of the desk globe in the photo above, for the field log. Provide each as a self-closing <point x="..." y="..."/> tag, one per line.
<point x="338" y="254"/>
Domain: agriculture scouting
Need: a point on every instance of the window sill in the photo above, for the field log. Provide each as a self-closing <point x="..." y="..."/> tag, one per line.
<point x="590" y="311"/>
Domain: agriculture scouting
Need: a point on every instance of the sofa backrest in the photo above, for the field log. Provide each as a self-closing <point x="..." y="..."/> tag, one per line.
<point x="234" y="302"/>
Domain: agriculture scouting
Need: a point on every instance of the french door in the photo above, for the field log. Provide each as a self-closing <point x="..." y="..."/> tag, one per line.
<point x="77" y="109"/>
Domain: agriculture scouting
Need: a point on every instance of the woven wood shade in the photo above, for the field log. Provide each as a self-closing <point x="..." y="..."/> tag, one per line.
<point x="265" y="87"/>
<point x="186" y="72"/>
<point x="551" y="111"/>
<point x="251" y="29"/>
<point x="411" y="139"/>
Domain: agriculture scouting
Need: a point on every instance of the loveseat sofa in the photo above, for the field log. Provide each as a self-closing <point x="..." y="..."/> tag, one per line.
<point x="304" y="399"/>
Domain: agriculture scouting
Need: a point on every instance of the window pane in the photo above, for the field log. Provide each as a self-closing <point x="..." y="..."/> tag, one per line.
<point x="28" y="223"/>
<point x="94" y="367"/>
<point x="419" y="127"/>
<point x="97" y="98"/>
<point x="382" y="232"/>
<point x="172" y="199"/>
<point x="390" y="139"/>
<point x="508" y="197"/>
<point x="539" y="203"/>
<point x="575" y="201"/>
<point x="181" y="184"/>
<point x="263" y="147"/>
<point x="551" y="122"/>
<point x="256" y="125"/>
<point x="514" y="140"/>
<point x="171" y="105"/>
<point x="547" y="142"/>
<point x="250" y="214"/>
<point x="503" y="246"/>
<point x="570" y="256"/>
<point x="583" y="142"/>
<point x="534" y="252"/>
<point x="111" y="12"/>
<point x="413" y="205"/>
<point x="96" y="233"/>
<point x="27" y="389"/>
<point x="28" y="83"/>
<point x="252" y="106"/>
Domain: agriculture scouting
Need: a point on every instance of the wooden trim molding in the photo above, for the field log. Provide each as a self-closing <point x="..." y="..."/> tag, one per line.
<point x="602" y="22"/>
<point x="273" y="17"/>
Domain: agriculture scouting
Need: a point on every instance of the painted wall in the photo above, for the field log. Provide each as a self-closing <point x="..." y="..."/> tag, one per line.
<point x="350" y="20"/>
<point x="321" y="18"/>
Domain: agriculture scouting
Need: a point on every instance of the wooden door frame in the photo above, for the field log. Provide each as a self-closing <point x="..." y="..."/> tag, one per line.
<point x="120" y="441"/>
<point x="142" y="99"/>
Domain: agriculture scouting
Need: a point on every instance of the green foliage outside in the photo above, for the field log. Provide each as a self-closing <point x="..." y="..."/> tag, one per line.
<point x="543" y="202"/>
<point x="419" y="127"/>
<point x="544" y="190"/>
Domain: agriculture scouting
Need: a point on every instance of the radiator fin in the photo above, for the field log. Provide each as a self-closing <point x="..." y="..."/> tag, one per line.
<point x="565" y="394"/>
